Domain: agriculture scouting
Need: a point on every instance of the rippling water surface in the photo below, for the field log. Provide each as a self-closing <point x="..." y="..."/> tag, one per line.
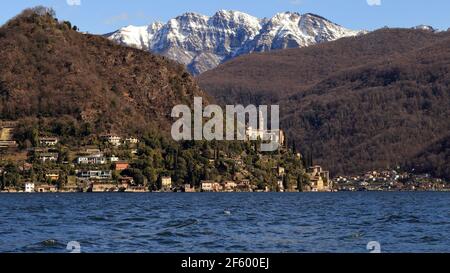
<point x="225" y="222"/>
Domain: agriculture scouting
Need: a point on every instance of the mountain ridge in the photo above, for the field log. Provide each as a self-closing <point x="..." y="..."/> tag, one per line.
<point x="202" y="42"/>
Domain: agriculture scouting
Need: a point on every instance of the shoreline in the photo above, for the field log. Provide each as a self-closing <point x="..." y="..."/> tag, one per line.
<point x="256" y="192"/>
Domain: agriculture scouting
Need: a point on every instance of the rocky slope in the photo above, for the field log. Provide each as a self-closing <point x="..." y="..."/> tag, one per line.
<point x="201" y="42"/>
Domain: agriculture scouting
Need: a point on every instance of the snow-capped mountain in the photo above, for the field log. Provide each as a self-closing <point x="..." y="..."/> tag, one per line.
<point x="202" y="42"/>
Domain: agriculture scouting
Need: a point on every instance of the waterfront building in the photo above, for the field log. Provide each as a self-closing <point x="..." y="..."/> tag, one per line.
<point x="29" y="187"/>
<point x="47" y="188"/>
<point x="317" y="183"/>
<point x="125" y="182"/>
<point x="188" y="188"/>
<point x="229" y="186"/>
<point x="137" y="189"/>
<point x="319" y="179"/>
<point x="280" y="185"/>
<point x="210" y="186"/>
<point x="103" y="187"/>
<point x="207" y="185"/>
<point x="244" y="185"/>
<point x="166" y="183"/>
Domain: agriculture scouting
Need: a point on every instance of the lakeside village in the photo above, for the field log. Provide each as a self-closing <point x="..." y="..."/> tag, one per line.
<point x="113" y="163"/>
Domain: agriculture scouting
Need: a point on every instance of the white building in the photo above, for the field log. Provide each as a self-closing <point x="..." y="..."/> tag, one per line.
<point x="95" y="174"/>
<point x="280" y="185"/>
<point x="131" y="140"/>
<point x="96" y="159"/>
<point x="229" y="185"/>
<point x="207" y="185"/>
<point x="29" y="187"/>
<point x="113" y="158"/>
<point x="48" y="141"/>
<point x="113" y="139"/>
<point x="48" y="157"/>
<point x="263" y="134"/>
<point x="166" y="183"/>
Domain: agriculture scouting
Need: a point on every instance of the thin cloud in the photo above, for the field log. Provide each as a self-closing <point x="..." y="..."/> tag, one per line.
<point x="117" y="18"/>
<point x="374" y="2"/>
<point x="73" y="2"/>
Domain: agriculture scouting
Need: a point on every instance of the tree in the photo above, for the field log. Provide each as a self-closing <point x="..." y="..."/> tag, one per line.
<point x="300" y="183"/>
<point x="62" y="179"/>
<point x="137" y="175"/>
<point x="42" y="11"/>
<point x="151" y="175"/>
<point x="68" y="24"/>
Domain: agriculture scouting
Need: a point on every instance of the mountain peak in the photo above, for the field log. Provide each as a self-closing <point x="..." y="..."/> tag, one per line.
<point x="192" y="15"/>
<point x="318" y="17"/>
<point x="286" y="16"/>
<point x="203" y="42"/>
<point x="224" y="12"/>
<point x="156" y="25"/>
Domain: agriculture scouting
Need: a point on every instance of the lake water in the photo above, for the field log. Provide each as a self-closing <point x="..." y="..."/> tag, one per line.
<point x="226" y="222"/>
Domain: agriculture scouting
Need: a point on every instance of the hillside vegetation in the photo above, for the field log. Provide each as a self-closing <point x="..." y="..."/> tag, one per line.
<point x="374" y="101"/>
<point x="50" y="73"/>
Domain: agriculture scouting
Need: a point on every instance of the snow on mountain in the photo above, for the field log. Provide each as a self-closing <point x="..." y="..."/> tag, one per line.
<point x="425" y="27"/>
<point x="202" y="42"/>
<point x="140" y="37"/>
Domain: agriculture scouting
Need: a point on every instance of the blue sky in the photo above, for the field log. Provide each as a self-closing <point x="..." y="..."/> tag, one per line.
<point x="102" y="16"/>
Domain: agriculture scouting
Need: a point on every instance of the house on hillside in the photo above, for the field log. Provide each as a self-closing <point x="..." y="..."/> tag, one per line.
<point x="112" y="139"/>
<point x="94" y="174"/>
<point x="8" y="144"/>
<point x="48" y="141"/>
<point x="47" y="157"/>
<point x="121" y="165"/>
<point x="262" y="133"/>
<point x="52" y="175"/>
<point x="94" y="159"/>
<point x="131" y="140"/>
<point x="113" y="159"/>
<point x="6" y="136"/>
